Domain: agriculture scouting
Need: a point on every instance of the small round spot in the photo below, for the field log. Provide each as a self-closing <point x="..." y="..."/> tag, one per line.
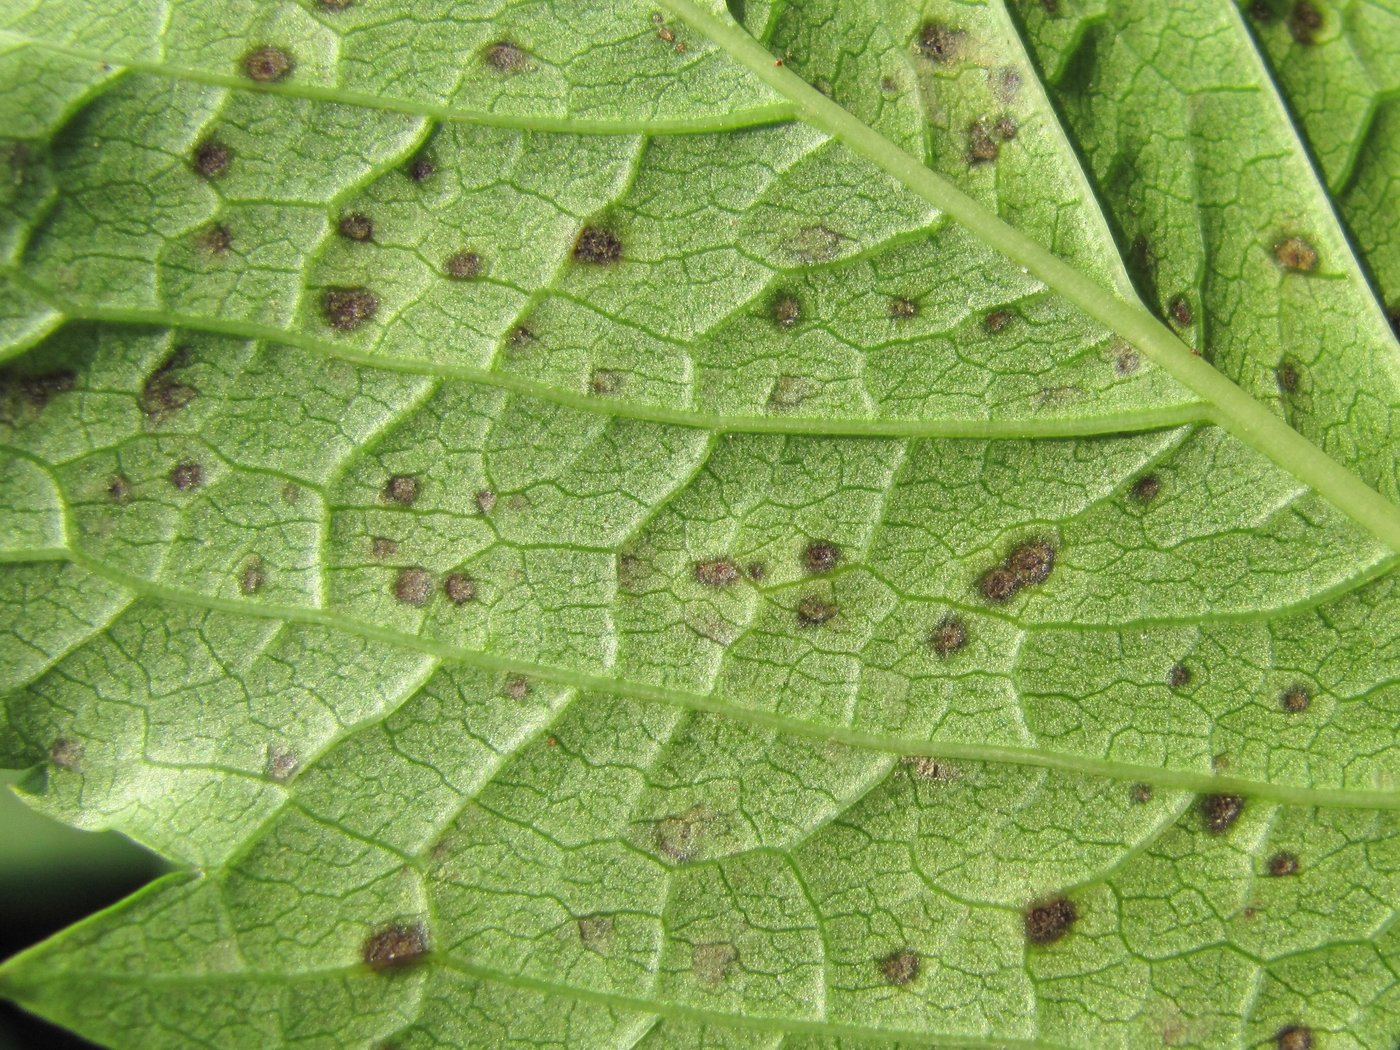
<point x="999" y="585"/>
<point x="597" y="246"/>
<point x="401" y="489"/>
<point x="517" y="687"/>
<point x="899" y="968"/>
<point x="506" y="57"/>
<point x="281" y="764"/>
<point x="595" y="932"/>
<point x="814" y="610"/>
<point x="1048" y="921"/>
<point x="1141" y="794"/>
<point x="356" y="227"/>
<point x="939" y="42"/>
<point x="1283" y="864"/>
<point x="268" y="65"/>
<point x="459" y="588"/>
<point x="716" y="572"/>
<point x="996" y="321"/>
<point x="394" y="947"/>
<point x="421" y="168"/>
<point x="382" y="547"/>
<point x="1146" y="488"/>
<point x="187" y="476"/>
<point x="1296" y="255"/>
<point x="463" y="266"/>
<point x="1288" y="377"/>
<point x="821" y="557"/>
<point x="485" y="501"/>
<point x="215" y="239"/>
<point x="1180" y="310"/>
<point x="948" y="637"/>
<point x="787" y="311"/>
<point x="413" y="587"/>
<point x="1179" y="676"/>
<point x="1295" y="699"/>
<point x="605" y="381"/>
<point x="1294" y="1037"/>
<point x="982" y="147"/>
<point x="1219" y="812"/>
<point x="254" y="575"/>
<point x="756" y="571"/>
<point x="347" y="309"/>
<point x="211" y="158"/>
<point x="118" y="488"/>
<point x="903" y="309"/>
<point x="1304" y="22"/>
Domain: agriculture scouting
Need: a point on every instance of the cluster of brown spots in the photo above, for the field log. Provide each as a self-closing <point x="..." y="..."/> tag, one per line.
<point x="421" y="168"/>
<point x="1283" y="864"/>
<point x="595" y="932"/>
<point x="66" y="754"/>
<point x="485" y="501"/>
<point x="214" y="239"/>
<point x="459" y="588"/>
<point x="820" y="556"/>
<point x="164" y="391"/>
<point x="413" y="586"/>
<point x="1180" y="310"/>
<point x="903" y="309"/>
<point x="667" y="35"/>
<point x="401" y="489"/>
<point x="186" y="476"/>
<point x="281" y="764"/>
<point x="1304" y="21"/>
<point x="939" y="42"/>
<point x="716" y="572"/>
<point x="1296" y="254"/>
<point x="787" y="311"/>
<point x="268" y="64"/>
<point x="253" y="576"/>
<point x="354" y="226"/>
<point x="1048" y="921"/>
<point x="211" y="159"/>
<point x="395" y="946"/>
<point x="506" y="57"/>
<point x="949" y="636"/>
<point x="1288" y="377"/>
<point x="932" y="769"/>
<point x="1294" y="1037"/>
<point x="985" y="137"/>
<point x="1178" y="676"/>
<point x="597" y="246"/>
<point x="678" y="837"/>
<point x="1295" y="699"/>
<point x="995" y="321"/>
<point x="1141" y="794"/>
<point x="899" y="968"/>
<point x="463" y="266"/>
<point x="1219" y="812"/>
<point x="605" y="381"/>
<point x="347" y="309"/>
<point x="712" y="962"/>
<point x="1146" y="488"/>
<point x="118" y="488"/>
<point x="1027" y="565"/>
<point x="517" y="687"/>
<point x="814" y="610"/>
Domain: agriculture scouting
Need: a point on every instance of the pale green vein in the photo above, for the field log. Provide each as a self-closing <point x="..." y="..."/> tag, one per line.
<point x="1229" y="406"/>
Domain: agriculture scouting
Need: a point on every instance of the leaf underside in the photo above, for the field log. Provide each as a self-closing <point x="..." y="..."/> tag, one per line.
<point x="583" y="524"/>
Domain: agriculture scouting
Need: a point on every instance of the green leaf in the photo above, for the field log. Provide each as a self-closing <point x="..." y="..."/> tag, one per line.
<point x="805" y="525"/>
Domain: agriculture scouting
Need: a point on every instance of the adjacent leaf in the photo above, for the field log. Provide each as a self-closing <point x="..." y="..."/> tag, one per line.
<point x="799" y="525"/>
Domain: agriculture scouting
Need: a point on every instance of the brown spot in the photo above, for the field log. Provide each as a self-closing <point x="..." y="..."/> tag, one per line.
<point x="1219" y="812"/>
<point x="1288" y="377"/>
<point x="815" y="244"/>
<point x="1141" y="793"/>
<point x="291" y="492"/>
<point x="1007" y="129"/>
<point x="678" y="837"/>
<point x="1262" y="11"/>
<point x="485" y="501"/>
<point x="356" y="227"/>
<point x="211" y="159"/>
<point x="1304" y="21"/>
<point x="982" y="147"/>
<point x="1180" y="310"/>
<point x="790" y="392"/>
<point x="899" y="968"/>
<point x="506" y="57"/>
<point x="821" y="557"/>
<point x="605" y="381"/>
<point x="597" y="246"/>
<point x="595" y="932"/>
<point x="903" y="309"/>
<point x="999" y="584"/>
<point x="949" y="636"/>
<point x="421" y="168"/>
<point x="66" y="754"/>
<point x="517" y="687"/>
<point x="39" y="388"/>
<point x="1048" y="921"/>
<point x="787" y="310"/>
<point x="334" y="6"/>
<point x="716" y="572"/>
<point x="118" y="488"/>
<point x="347" y="309"/>
<point x="889" y="85"/>
<point x="254" y="575"/>
<point x="756" y="571"/>
<point x="1146" y="488"/>
<point x="521" y="336"/>
<point x="214" y="239"/>
<point x="1394" y="314"/>
<point x="1283" y="864"/>
<point x="382" y="547"/>
<point x="1052" y="7"/>
<point x="711" y="962"/>
<point x="1296" y="254"/>
<point x="1125" y="359"/>
<point x="995" y="321"/>
<point x="460" y="588"/>
<point x="413" y="586"/>
<point x="932" y="769"/>
<point x="1179" y="676"/>
<point x="1294" y="1037"/>
<point x="814" y="610"/>
<point x="1032" y="562"/>
<point x="1295" y="699"/>
<point x="164" y="393"/>
<point x="281" y="764"/>
<point x="463" y="266"/>
<point x="939" y="42"/>
<point x="395" y="946"/>
<point x="268" y="65"/>
<point x="401" y="489"/>
<point x="187" y="476"/>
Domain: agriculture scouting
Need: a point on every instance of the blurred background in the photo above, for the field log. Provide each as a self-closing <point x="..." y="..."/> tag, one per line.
<point x="52" y="875"/>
